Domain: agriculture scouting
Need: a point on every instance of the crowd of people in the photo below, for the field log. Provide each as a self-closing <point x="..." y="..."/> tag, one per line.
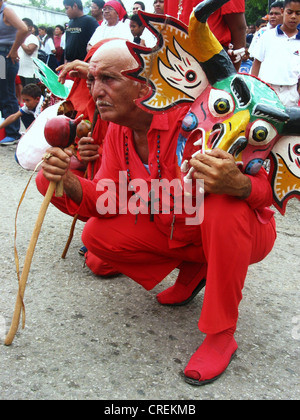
<point x="141" y="145"/>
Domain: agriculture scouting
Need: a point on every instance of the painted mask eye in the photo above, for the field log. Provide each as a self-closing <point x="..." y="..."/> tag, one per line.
<point x="191" y="76"/>
<point x="222" y="106"/>
<point x="261" y="133"/>
<point x="220" y="103"/>
<point x="296" y="149"/>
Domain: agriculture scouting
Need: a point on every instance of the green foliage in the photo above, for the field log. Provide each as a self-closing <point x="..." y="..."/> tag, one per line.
<point x="256" y="9"/>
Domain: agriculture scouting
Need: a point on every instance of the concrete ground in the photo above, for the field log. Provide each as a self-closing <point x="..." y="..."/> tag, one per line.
<point x="108" y="339"/>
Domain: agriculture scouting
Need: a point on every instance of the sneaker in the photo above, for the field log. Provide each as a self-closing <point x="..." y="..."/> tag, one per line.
<point x="8" y="140"/>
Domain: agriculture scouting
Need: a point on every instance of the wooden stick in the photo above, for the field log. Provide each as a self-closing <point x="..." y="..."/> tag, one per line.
<point x="64" y="254"/>
<point x="29" y="255"/>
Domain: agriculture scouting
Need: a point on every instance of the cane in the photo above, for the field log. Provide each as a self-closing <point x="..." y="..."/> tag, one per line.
<point x="59" y="131"/>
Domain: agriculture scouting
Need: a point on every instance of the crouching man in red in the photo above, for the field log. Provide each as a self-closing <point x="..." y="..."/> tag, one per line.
<point x="141" y="146"/>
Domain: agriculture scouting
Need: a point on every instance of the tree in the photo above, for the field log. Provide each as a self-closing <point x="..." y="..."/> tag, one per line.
<point x="39" y="3"/>
<point x="256" y="9"/>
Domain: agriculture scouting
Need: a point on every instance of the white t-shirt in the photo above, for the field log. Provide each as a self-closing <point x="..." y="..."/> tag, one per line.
<point x="279" y="56"/>
<point x="48" y="46"/>
<point x="120" y="30"/>
<point x="27" y="67"/>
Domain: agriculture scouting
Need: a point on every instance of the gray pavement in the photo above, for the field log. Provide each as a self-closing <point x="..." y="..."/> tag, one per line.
<point x="108" y="339"/>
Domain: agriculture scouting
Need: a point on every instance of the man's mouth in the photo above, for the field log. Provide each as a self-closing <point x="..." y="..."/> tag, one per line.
<point x="103" y="104"/>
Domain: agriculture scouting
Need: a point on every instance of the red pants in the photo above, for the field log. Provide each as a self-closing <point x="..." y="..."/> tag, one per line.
<point x="232" y="239"/>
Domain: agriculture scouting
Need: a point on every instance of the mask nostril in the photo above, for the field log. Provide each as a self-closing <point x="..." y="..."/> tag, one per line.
<point x="238" y="146"/>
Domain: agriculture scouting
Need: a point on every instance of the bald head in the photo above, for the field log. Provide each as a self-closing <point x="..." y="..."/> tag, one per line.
<point x="116" y="53"/>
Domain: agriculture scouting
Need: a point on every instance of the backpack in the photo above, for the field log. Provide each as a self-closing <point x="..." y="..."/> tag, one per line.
<point x="42" y="56"/>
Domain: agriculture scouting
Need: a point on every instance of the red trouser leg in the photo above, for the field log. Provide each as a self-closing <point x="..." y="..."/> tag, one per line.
<point x="232" y="239"/>
<point x="136" y="248"/>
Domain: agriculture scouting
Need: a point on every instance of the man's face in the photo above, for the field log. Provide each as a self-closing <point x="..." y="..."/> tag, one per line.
<point x="72" y="12"/>
<point x="136" y="30"/>
<point x="136" y="8"/>
<point x="159" y="7"/>
<point x="275" y="16"/>
<point x="291" y="16"/>
<point x="113" y="93"/>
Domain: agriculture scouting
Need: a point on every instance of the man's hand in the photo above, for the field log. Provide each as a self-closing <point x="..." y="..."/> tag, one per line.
<point x="220" y="174"/>
<point x="88" y="149"/>
<point x="76" y="68"/>
<point x="56" y="168"/>
<point x="56" y="163"/>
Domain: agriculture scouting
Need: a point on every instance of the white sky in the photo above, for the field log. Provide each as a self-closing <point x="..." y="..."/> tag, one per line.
<point x="128" y="4"/>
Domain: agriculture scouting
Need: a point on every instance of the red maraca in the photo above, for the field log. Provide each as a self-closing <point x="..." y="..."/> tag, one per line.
<point x="60" y="131"/>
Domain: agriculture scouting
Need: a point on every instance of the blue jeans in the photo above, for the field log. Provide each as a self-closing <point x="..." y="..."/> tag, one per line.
<point x="8" y="100"/>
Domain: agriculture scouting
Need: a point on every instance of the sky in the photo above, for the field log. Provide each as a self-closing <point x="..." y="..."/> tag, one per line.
<point x="128" y="4"/>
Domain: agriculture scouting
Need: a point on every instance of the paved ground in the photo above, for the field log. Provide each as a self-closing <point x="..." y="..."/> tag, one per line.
<point x="91" y="338"/>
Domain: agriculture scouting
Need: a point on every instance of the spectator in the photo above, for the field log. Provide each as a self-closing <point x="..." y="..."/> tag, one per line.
<point x="27" y="51"/>
<point x="250" y="33"/>
<point x="49" y="48"/>
<point x="276" y="18"/>
<point x="79" y="30"/>
<point x="97" y="10"/>
<point x="277" y="57"/>
<point x="138" y="5"/>
<point x="13" y="33"/>
<point x="114" y="26"/>
<point x="159" y="7"/>
<point x="137" y="29"/>
<point x="42" y="34"/>
<point x="35" y="31"/>
<point x="228" y="23"/>
<point x="33" y="101"/>
<point x="59" y="44"/>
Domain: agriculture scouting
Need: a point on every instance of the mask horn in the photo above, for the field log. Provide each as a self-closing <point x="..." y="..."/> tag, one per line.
<point x="293" y="124"/>
<point x="213" y="58"/>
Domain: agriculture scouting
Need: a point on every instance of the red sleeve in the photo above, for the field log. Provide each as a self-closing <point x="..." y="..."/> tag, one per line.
<point x="233" y="6"/>
<point x="261" y="193"/>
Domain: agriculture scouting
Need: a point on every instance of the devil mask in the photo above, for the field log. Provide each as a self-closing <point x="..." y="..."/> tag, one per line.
<point x="234" y="112"/>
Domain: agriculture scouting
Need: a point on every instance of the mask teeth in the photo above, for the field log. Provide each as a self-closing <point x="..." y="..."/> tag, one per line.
<point x="189" y="176"/>
<point x="198" y="142"/>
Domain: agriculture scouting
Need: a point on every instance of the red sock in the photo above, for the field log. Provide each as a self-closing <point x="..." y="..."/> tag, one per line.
<point x="188" y="279"/>
<point x="212" y="357"/>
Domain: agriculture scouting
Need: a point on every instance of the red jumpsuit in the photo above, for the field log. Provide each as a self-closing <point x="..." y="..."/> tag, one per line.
<point x="234" y="233"/>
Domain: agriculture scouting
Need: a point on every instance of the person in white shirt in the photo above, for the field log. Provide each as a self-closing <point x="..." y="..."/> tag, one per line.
<point x="49" y="48"/>
<point x="275" y="19"/>
<point x="277" y="56"/>
<point x="113" y="26"/>
<point x="27" y="51"/>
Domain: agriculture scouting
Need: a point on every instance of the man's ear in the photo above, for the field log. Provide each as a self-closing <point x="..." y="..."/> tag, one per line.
<point x="144" y="90"/>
